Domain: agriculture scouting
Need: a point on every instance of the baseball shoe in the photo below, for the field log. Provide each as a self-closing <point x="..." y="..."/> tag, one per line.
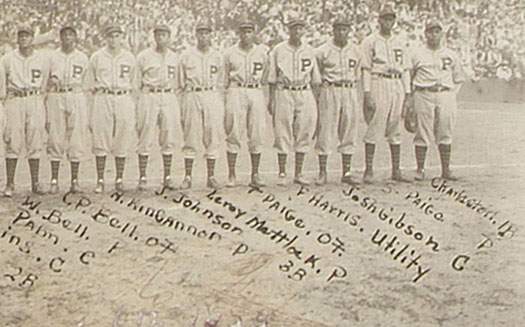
<point x="322" y="179"/>
<point x="142" y="183"/>
<point x="9" y="190"/>
<point x="100" y="186"/>
<point x="368" y="177"/>
<point x="186" y="183"/>
<point x="231" y="181"/>
<point x="420" y="175"/>
<point x="256" y="181"/>
<point x="167" y="184"/>
<point x="349" y="179"/>
<point x="75" y="188"/>
<point x="281" y="181"/>
<point x="118" y="185"/>
<point x="299" y="179"/>
<point x="398" y="177"/>
<point x="212" y="183"/>
<point x="36" y="189"/>
<point x="53" y="189"/>
<point x="449" y="176"/>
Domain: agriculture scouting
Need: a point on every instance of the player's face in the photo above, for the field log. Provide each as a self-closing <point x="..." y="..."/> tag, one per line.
<point x="68" y="37"/>
<point x="341" y="33"/>
<point x="247" y="35"/>
<point x="386" y="22"/>
<point x="296" y="31"/>
<point x="114" y="40"/>
<point x="162" y="38"/>
<point x="434" y="35"/>
<point x="203" y="37"/>
<point x="25" y="39"/>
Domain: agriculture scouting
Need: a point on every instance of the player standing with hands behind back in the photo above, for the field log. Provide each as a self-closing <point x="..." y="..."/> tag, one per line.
<point x="26" y="74"/>
<point x="113" y="115"/>
<point x="437" y="78"/>
<point x="293" y="72"/>
<point x="386" y="84"/>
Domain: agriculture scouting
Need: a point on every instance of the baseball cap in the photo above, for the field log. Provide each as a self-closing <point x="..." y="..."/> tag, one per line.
<point x="387" y="10"/>
<point x="245" y="22"/>
<point x="162" y="27"/>
<point x="113" y="28"/>
<point x="203" y="24"/>
<point x="433" y="23"/>
<point x="26" y="29"/>
<point x="293" y="20"/>
<point x="341" y="20"/>
<point x="68" y="27"/>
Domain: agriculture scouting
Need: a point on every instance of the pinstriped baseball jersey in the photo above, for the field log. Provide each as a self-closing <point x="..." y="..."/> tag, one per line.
<point x="198" y="69"/>
<point x="338" y="64"/>
<point x="25" y="72"/>
<point x="157" y="70"/>
<point x="114" y="72"/>
<point x="293" y="67"/>
<point x="436" y="67"/>
<point x="247" y="67"/>
<point x="69" y="68"/>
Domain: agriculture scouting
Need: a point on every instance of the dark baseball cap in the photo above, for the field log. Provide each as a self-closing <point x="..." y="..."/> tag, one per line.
<point x="68" y="27"/>
<point x="387" y="10"/>
<point x="162" y="27"/>
<point x="341" y="20"/>
<point x="203" y="24"/>
<point x="294" y="20"/>
<point x="113" y="28"/>
<point x="432" y="23"/>
<point x="25" y="29"/>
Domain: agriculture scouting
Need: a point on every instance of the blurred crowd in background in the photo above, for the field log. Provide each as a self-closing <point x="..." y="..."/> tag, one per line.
<point x="489" y="35"/>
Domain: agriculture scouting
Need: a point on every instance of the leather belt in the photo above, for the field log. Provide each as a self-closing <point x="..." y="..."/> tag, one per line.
<point x="433" y="88"/>
<point x="113" y="92"/>
<point x="387" y="75"/>
<point x="338" y="84"/>
<point x="158" y="90"/>
<point x="200" y="89"/>
<point x="296" y="88"/>
<point x="67" y="89"/>
<point x="248" y="85"/>
<point x="22" y="94"/>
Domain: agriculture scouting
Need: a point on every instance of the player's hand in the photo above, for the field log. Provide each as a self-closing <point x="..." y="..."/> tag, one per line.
<point x="53" y="83"/>
<point x="408" y="105"/>
<point x="369" y="107"/>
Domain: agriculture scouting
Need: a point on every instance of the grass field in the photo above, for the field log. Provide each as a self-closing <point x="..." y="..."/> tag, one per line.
<point x="337" y="272"/>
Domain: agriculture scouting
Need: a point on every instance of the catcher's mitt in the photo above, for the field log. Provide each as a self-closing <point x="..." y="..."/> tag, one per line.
<point x="410" y="121"/>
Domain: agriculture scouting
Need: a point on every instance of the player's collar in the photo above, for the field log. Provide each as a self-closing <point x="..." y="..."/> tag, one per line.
<point x="335" y="46"/>
<point x="291" y="48"/>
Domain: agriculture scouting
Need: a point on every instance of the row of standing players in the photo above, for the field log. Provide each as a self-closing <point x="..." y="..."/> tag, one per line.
<point x="312" y="95"/>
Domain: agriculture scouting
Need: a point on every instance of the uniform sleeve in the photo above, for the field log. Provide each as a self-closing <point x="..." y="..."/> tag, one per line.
<point x="366" y="65"/>
<point x="264" y="79"/>
<point x="89" y="83"/>
<point x="3" y="80"/>
<point x="458" y="75"/>
<point x="316" y="75"/>
<point x="221" y="74"/>
<point x="226" y="63"/>
<point x="319" y="56"/>
<point x="181" y="75"/>
<point x="141" y="61"/>
<point x="359" y="67"/>
<point x="406" y="76"/>
<point x="46" y="67"/>
<point x="134" y="77"/>
<point x="272" y="67"/>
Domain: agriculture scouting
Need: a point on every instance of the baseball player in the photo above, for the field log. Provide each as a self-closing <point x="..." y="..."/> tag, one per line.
<point x="246" y="65"/>
<point x="67" y="108"/>
<point x="113" y="115"/>
<point x="158" y="107"/>
<point x="293" y="73"/>
<point x="386" y="80"/>
<point x="25" y="79"/>
<point x="201" y="76"/>
<point x="340" y="67"/>
<point x="437" y="76"/>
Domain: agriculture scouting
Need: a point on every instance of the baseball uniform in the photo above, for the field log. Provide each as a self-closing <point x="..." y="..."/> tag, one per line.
<point x="291" y="71"/>
<point x="201" y="78"/>
<point x="340" y="70"/>
<point x="245" y="109"/>
<point x="67" y="108"/>
<point x="385" y="65"/>
<point x="25" y="113"/>
<point x="113" y="114"/>
<point x="158" y="106"/>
